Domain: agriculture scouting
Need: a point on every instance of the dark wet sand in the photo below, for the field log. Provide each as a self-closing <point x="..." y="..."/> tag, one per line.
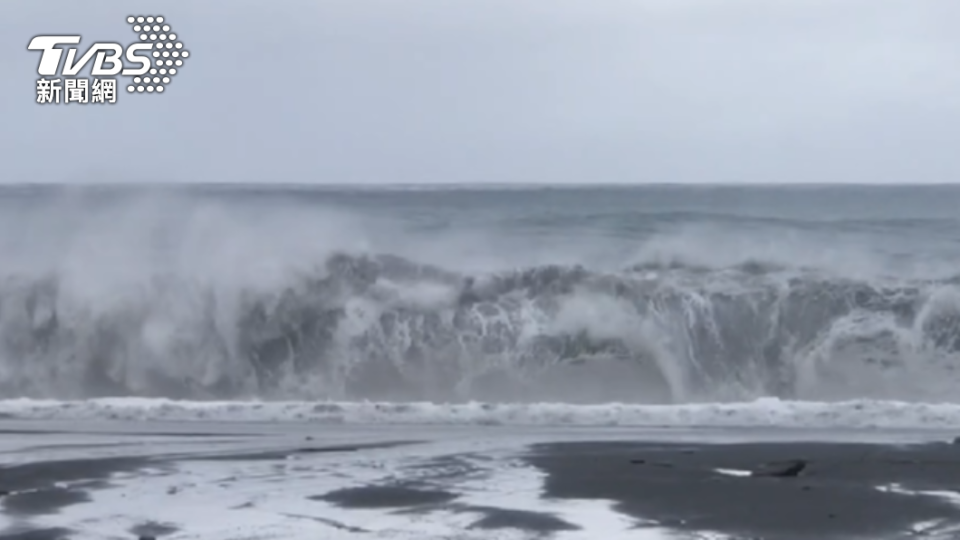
<point x="35" y="534"/>
<point x="673" y="485"/>
<point x="414" y="499"/>
<point x="395" y="496"/>
<point x="39" y="488"/>
<point x="35" y="489"/>
<point x="835" y="497"/>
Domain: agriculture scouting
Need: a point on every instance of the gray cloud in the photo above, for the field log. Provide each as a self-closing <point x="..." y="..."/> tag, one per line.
<point x="351" y="91"/>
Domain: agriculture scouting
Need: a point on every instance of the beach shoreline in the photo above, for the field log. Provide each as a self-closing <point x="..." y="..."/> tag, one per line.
<point x="719" y="483"/>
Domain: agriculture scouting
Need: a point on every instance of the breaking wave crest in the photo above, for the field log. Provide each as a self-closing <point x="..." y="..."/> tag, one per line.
<point x="761" y="413"/>
<point x="384" y="327"/>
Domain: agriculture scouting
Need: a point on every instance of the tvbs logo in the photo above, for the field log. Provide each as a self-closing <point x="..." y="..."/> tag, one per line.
<point x="151" y="62"/>
<point x="107" y="53"/>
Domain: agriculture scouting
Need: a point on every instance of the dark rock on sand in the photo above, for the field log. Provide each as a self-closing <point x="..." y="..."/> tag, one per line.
<point x="791" y="469"/>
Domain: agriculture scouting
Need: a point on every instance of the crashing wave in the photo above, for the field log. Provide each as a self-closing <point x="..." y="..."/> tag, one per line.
<point x="387" y="328"/>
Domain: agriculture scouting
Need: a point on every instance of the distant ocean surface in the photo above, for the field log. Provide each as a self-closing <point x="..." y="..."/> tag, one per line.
<point x="647" y="295"/>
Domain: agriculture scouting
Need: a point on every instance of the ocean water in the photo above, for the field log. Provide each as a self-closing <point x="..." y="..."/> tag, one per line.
<point x="663" y="299"/>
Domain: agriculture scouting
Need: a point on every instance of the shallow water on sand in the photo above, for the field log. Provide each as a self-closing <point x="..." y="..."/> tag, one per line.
<point x="210" y="480"/>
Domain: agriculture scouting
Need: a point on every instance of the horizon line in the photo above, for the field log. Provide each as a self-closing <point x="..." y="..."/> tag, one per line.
<point x="469" y="185"/>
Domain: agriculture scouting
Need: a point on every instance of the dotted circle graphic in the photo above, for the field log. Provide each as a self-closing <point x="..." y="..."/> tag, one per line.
<point x="167" y="52"/>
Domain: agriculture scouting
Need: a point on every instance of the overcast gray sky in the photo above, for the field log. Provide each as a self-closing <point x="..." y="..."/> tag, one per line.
<point x="424" y="91"/>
